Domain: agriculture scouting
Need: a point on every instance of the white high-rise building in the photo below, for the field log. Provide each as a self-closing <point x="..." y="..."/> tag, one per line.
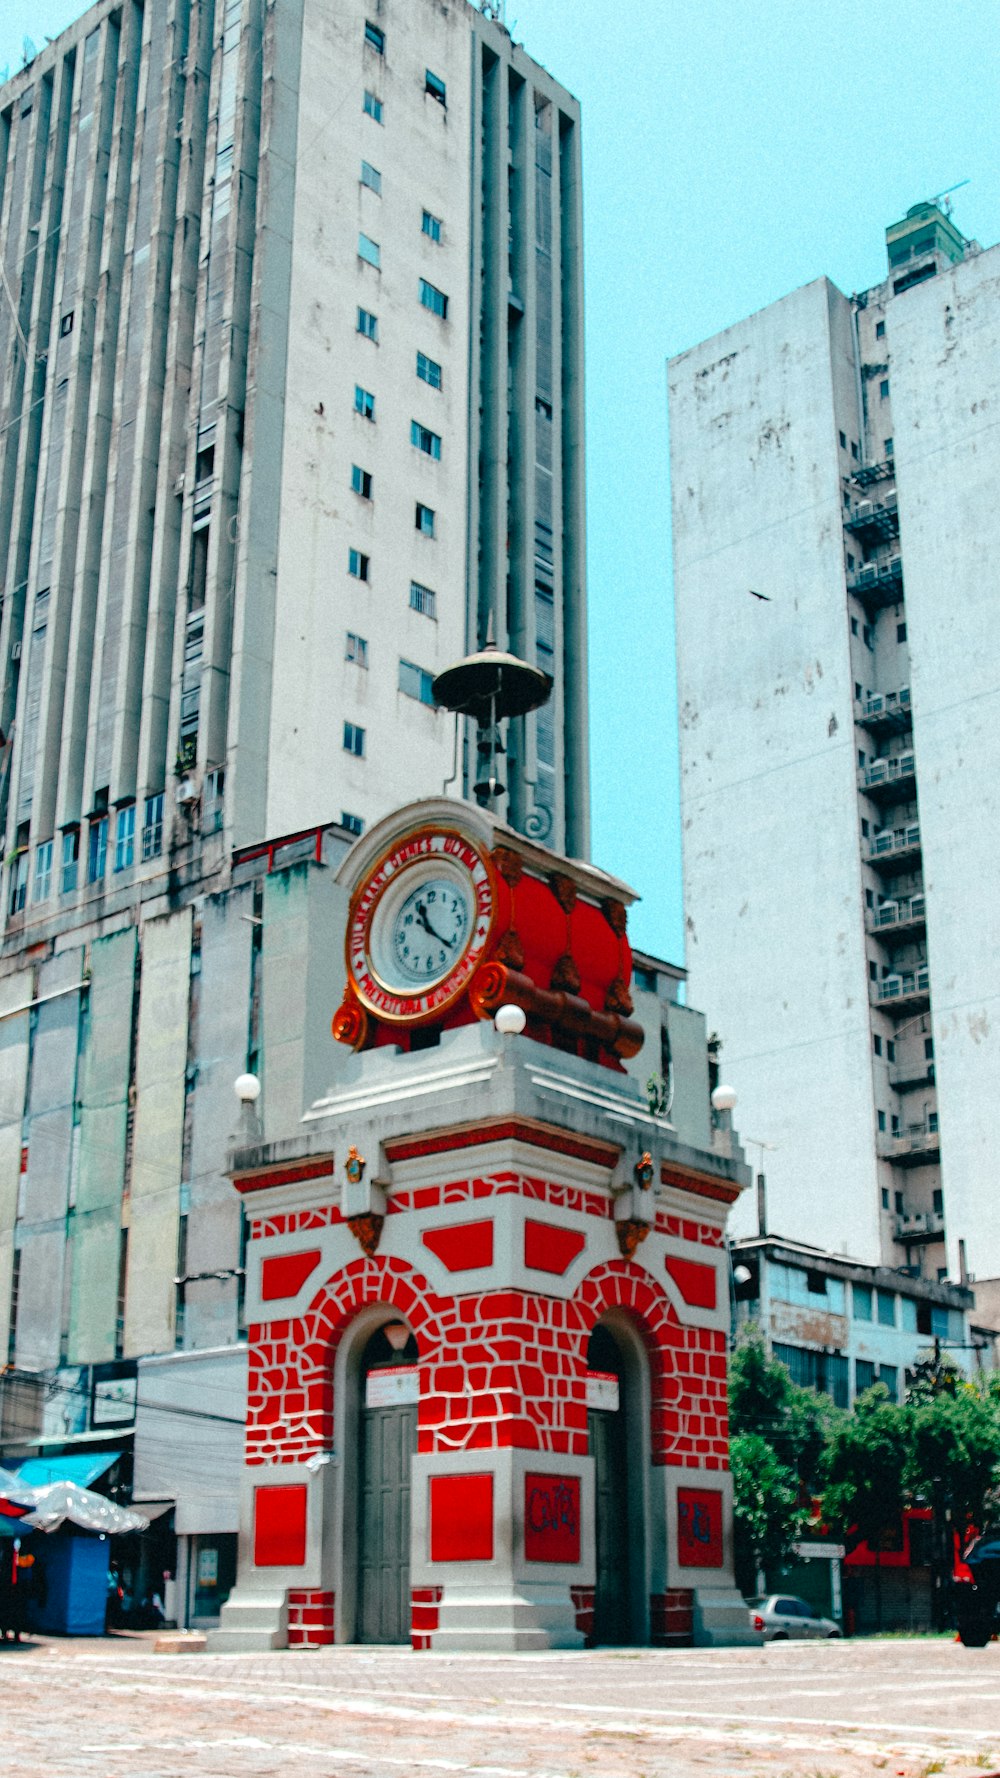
<point x="834" y="466"/>
<point x="292" y="406"/>
<point x="291" y="412"/>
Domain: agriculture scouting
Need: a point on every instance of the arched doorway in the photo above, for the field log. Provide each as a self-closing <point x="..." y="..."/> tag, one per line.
<point x="616" y="1427"/>
<point x="387" y="1441"/>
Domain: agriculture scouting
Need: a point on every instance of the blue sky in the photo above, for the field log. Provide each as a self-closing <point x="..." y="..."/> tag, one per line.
<point x="731" y="153"/>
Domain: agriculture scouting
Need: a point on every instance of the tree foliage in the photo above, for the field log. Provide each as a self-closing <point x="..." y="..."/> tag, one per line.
<point x="768" y="1511"/>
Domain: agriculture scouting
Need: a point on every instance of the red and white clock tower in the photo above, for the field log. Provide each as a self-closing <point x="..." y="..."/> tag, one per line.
<point x="487" y="1289"/>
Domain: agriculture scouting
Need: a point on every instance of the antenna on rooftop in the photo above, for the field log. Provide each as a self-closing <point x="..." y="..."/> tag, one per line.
<point x="941" y="198"/>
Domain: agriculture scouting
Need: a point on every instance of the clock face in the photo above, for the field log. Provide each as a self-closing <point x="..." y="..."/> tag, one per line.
<point x="429" y="929"/>
<point x="419" y="925"/>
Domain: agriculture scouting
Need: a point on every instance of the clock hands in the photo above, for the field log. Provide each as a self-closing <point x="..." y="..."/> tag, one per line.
<point x="425" y="923"/>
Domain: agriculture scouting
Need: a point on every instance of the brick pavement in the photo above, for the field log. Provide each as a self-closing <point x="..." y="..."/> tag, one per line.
<point x="837" y="1710"/>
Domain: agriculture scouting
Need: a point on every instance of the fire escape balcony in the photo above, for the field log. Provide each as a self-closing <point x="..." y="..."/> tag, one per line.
<point x="886" y="712"/>
<point x="896" y="848"/>
<point x="918" y="1145"/>
<point x="903" y="992"/>
<point x="879" y="583"/>
<point x="905" y="1076"/>
<point x="871" y="472"/>
<point x="923" y="1225"/>
<point x="874" y="521"/>
<point x="906" y="917"/>
<point x="883" y="779"/>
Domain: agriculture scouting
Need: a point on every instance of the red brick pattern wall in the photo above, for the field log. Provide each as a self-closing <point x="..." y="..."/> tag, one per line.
<point x="425" y="1603"/>
<point x="499" y="1368"/>
<point x="671" y="1618"/>
<point x="310" y="1617"/>
<point x="583" y="1608"/>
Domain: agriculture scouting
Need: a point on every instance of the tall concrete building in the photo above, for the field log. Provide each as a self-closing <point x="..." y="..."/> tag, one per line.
<point x="834" y="463"/>
<point x="291" y="411"/>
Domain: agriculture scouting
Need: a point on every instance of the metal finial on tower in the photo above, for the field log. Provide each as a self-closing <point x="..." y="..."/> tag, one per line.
<point x="489" y="686"/>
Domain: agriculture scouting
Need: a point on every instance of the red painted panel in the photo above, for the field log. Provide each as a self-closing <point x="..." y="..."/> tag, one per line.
<point x="695" y="1282"/>
<point x="551" y="1517"/>
<point x="462" y="1518"/>
<point x="285" y="1273"/>
<point x="548" y="1248"/>
<point x="462" y="1248"/>
<point x="279" y="1526"/>
<point x="699" y="1528"/>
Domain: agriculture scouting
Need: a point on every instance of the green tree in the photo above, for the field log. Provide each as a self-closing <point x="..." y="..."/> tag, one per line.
<point x="864" y="1468"/>
<point x="953" y="1466"/>
<point x="768" y="1511"/>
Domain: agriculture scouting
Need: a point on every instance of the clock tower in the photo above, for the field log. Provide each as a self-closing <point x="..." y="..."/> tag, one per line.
<point x="487" y="1286"/>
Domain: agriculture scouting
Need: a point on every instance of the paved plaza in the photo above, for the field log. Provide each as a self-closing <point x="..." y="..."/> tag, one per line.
<point x="116" y="1709"/>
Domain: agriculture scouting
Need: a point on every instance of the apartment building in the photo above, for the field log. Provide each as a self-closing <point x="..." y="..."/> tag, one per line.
<point x="833" y="470"/>
<point x="290" y="417"/>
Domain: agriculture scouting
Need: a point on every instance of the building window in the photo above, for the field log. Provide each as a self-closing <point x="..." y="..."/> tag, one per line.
<point x="843" y="440"/>
<point x="125" y="837"/>
<point x="358" y="564"/>
<point x="368" y="324"/>
<point x="883" y="389"/>
<point x="425" y="520"/>
<point x="97" y="849"/>
<point x="886" y="1299"/>
<point x="374" y="38"/>
<point x="857" y="691"/>
<point x="371" y="177"/>
<point x="428" y="371"/>
<point x="877" y="1044"/>
<point x="850" y="560"/>
<point x="425" y="440"/>
<point x="872" y="970"/>
<point x="861" y="1301"/>
<point x="864" y="828"/>
<point x="352" y="823"/>
<point x="885" y="1206"/>
<point x="70" y="860"/>
<point x="864" y="1375"/>
<point x="938" y="1201"/>
<point x="861" y="758"/>
<point x="889" y="447"/>
<point x="881" y="1122"/>
<point x="369" y="251"/>
<point x="43" y="872"/>
<point x="854" y="450"/>
<point x="422" y="599"/>
<point x="356" y="649"/>
<point x="854" y="621"/>
<point x="433" y="299"/>
<point x="364" y="402"/>
<point x="880" y="330"/>
<point x="373" y="107"/>
<point x="900" y="632"/>
<point x="929" y="1049"/>
<point x="417" y="683"/>
<point x="889" y="1375"/>
<point x="434" y="85"/>
<point x="354" y="740"/>
<point x="869" y="899"/>
<point x="895" y="1123"/>
<point x="431" y="226"/>
<point x="152" y="826"/>
<point x="867" y="636"/>
<point x="361" y="481"/>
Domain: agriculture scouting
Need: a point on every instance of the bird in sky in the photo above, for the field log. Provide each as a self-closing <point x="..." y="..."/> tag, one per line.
<point x="765" y="596"/>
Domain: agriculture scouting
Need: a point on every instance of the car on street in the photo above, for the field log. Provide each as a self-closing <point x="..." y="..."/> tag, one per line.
<point x="780" y="1617"/>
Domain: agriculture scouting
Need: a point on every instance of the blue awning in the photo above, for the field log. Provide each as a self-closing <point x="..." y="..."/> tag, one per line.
<point x="81" y="1467"/>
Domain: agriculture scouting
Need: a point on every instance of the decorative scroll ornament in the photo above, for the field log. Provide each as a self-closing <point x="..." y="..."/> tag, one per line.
<point x="367" y="1231"/>
<point x="630" y="1233"/>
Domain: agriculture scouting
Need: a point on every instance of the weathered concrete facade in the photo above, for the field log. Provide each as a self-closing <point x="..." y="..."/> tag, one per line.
<point x="829" y="456"/>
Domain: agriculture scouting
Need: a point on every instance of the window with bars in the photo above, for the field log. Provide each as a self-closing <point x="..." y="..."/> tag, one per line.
<point x="422" y="599"/>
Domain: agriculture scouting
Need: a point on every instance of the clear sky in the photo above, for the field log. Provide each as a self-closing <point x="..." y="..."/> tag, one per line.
<point x="732" y="152"/>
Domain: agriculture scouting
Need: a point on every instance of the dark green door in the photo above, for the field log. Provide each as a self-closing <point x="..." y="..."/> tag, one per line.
<point x="606" y="1429"/>
<point x="388" y="1441"/>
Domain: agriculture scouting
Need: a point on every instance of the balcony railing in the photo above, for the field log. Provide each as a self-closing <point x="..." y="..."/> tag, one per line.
<point x="914" y="987"/>
<point x="923" y="1225"/>
<point x="889" y="771"/>
<point x="879" y="583"/>
<point x="918" y="1145"/>
<point x="874" y="521"/>
<point x="886" y="710"/>
<point x="890" y="847"/>
<point x="911" y="1074"/>
<point x="910" y="911"/>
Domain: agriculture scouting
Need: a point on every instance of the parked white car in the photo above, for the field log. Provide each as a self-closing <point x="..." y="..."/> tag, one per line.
<point x="781" y="1616"/>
